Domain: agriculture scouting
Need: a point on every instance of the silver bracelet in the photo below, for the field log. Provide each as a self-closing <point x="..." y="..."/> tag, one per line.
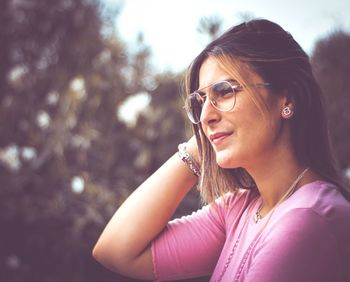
<point x="186" y="157"/>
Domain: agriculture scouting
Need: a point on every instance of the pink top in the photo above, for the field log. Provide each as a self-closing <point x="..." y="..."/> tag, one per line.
<point x="306" y="238"/>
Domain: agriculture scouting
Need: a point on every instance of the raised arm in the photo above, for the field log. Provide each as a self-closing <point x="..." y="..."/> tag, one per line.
<point x="124" y="245"/>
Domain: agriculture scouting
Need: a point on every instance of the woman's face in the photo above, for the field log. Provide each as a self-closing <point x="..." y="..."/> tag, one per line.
<point x="242" y="137"/>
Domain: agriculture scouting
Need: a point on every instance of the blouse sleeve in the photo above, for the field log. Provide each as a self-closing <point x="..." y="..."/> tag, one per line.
<point x="301" y="248"/>
<point x="190" y="246"/>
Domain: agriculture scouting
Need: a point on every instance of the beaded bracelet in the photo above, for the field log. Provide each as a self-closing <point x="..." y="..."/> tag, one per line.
<point x="186" y="157"/>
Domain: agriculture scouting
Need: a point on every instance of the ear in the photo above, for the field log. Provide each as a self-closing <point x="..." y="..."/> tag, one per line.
<point x="286" y="99"/>
<point x="287" y="105"/>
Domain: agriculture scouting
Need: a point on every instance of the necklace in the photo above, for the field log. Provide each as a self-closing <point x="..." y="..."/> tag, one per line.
<point x="290" y="191"/>
<point x="252" y="244"/>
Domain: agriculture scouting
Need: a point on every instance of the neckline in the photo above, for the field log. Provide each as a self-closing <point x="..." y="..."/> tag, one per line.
<point x="258" y="203"/>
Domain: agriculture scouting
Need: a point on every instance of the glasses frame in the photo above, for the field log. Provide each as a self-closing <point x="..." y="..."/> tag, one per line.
<point x="235" y="88"/>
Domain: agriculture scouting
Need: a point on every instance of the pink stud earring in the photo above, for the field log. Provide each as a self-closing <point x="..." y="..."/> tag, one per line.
<point x="287" y="112"/>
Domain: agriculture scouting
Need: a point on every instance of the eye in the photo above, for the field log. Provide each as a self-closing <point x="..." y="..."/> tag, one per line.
<point x="237" y="88"/>
<point x="200" y="97"/>
<point x="222" y="90"/>
<point x="197" y="99"/>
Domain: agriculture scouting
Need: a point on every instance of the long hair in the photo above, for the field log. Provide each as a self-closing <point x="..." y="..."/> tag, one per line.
<point x="267" y="49"/>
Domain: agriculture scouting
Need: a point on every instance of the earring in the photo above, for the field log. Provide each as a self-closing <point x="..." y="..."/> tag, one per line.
<point x="287" y="112"/>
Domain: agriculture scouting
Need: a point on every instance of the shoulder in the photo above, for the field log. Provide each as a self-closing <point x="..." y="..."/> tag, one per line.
<point x="234" y="202"/>
<point x="239" y="196"/>
<point x="231" y="206"/>
<point x="317" y="200"/>
<point x="217" y="212"/>
<point x="301" y="246"/>
<point x="324" y="199"/>
<point x="317" y="212"/>
<point x="300" y="232"/>
<point x="308" y="234"/>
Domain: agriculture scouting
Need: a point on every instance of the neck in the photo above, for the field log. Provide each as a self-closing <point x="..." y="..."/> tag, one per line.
<point x="274" y="177"/>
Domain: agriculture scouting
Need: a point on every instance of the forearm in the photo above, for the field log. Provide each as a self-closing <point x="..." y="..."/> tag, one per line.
<point x="145" y="213"/>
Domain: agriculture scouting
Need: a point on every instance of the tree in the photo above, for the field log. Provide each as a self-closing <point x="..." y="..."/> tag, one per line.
<point x="67" y="158"/>
<point x="61" y="141"/>
<point x="210" y="26"/>
<point x="331" y="64"/>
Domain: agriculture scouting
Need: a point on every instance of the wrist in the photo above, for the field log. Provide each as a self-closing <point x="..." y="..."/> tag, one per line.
<point x="187" y="158"/>
<point x="192" y="149"/>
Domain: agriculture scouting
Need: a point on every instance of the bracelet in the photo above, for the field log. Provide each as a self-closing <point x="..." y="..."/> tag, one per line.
<point x="186" y="157"/>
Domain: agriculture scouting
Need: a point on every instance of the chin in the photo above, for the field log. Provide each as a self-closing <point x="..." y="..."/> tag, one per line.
<point x="230" y="158"/>
<point x="226" y="161"/>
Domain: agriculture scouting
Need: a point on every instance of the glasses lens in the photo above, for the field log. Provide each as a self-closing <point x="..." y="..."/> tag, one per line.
<point x="223" y="96"/>
<point x="194" y="104"/>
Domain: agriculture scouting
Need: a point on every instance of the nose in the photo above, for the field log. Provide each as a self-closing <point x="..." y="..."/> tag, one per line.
<point x="209" y="114"/>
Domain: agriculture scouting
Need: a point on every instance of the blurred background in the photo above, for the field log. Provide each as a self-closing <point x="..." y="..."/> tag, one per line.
<point x="90" y="105"/>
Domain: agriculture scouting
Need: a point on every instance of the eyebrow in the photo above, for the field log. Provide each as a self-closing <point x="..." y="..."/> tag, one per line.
<point x="228" y="80"/>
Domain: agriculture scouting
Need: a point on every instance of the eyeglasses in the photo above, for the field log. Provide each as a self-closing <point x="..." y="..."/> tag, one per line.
<point x="222" y="96"/>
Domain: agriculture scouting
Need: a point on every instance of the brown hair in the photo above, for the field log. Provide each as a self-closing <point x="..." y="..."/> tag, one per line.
<point x="265" y="48"/>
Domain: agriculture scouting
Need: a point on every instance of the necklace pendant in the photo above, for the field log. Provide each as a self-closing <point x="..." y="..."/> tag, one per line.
<point x="257" y="217"/>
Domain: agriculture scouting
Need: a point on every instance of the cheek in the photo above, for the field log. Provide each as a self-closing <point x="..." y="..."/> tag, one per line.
<point x="252" y="140"/>
<point x="259" y="131"/>
<point x="204" y="133"/>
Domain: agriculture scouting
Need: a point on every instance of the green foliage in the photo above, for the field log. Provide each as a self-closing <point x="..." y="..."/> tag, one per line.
<point x="331" y="63"/>
<point x="210" y="26"/>
<point x="67" y="160"/>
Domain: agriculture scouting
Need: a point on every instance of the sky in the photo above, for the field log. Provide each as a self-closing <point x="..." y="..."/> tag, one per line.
<point x="170" y="27"/>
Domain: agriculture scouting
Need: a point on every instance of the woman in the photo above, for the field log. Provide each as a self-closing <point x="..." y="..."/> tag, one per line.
<point x="277" y="210"/>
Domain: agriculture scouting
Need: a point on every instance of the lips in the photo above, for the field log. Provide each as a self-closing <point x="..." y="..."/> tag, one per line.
<point x="218" y="137"/>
